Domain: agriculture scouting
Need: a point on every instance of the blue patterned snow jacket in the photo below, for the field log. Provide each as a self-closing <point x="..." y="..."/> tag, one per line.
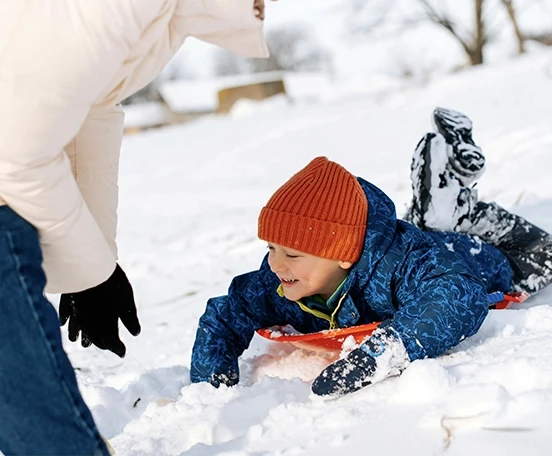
<point x="430" y="289"/>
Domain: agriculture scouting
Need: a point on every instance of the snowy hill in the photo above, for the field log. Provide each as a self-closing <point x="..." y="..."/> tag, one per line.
<point x="190" y="197"/>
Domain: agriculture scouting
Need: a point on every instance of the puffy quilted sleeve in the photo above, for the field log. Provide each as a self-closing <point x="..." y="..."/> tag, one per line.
<point x="94" y="156"/>
<point x="440" y="303"/>
<point x="227" y="327"/>
<point x="48" y="86"/>
<point x="37" y="183"/>
<point x="230" y="24"/>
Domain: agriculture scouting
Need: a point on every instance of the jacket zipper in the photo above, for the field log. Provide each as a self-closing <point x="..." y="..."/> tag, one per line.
<point x="329" y="318"/>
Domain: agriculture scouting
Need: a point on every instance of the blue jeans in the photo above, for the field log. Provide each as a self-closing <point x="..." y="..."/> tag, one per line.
<point x="41" y="409"/>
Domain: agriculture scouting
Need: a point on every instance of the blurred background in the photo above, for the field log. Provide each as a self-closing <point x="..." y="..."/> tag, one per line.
<point x="327" y="48"/>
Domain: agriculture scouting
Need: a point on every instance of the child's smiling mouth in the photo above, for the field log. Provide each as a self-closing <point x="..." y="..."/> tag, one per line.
<point x="288" y="281"/>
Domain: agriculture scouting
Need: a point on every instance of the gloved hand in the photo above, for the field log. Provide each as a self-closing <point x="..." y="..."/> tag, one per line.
<point x="347" y="375"/>
<point x="226" y="373"/>
<point x="230" y="379"/>
<point x="95" y="313"/>
<point x="382" y="355"/>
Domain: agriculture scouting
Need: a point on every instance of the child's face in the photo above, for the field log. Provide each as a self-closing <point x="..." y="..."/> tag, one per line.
<point x="304" y="275"/>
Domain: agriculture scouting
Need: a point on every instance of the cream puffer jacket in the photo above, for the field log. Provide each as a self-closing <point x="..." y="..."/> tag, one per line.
<point x="64" y="68"/>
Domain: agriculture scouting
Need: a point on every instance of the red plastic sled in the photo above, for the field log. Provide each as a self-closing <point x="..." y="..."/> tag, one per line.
<point x="516" y="297"/>
<point x="332" y="339"/>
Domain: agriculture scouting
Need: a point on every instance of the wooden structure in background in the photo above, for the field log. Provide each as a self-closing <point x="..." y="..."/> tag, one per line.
<point x="254" y="91"/>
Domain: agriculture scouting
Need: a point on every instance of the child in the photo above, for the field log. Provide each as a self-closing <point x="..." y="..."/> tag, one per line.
<point x="338" y="257"/>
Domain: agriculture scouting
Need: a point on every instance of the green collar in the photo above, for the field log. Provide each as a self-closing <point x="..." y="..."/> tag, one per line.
<point x="316" y="306"/>
<point x="332" y="302"/>
<point x="316" y="301"/>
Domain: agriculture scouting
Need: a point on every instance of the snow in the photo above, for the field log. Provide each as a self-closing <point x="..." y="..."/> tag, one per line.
<point x="190" y="95"/>
<point x="190" y="197"/>
<point x="201" y="95"/>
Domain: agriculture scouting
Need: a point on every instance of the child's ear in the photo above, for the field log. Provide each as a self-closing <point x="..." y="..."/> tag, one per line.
<point x="345" y="264"/>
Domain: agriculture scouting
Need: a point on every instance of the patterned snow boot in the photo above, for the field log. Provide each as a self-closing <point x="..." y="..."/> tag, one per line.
<point x="466" y="160"/>
<point x="444" y="167"/>
<point x="439" y="200"/>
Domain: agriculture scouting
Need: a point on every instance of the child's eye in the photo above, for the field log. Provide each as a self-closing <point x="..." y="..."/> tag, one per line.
<point x="291" y="256"/>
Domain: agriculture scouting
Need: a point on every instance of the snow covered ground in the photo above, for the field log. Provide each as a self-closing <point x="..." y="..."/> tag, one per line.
<point x="190" y="197"/>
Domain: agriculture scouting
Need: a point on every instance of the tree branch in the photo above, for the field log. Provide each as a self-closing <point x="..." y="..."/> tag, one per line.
<point x="445" y="22"/>
<point x="510" y="9"/>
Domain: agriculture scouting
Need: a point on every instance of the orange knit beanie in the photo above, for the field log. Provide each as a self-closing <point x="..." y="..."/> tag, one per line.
<point x="321" y="211"/>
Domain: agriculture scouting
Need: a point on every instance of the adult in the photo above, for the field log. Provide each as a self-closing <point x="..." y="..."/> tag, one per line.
<point x="64" y="69"/>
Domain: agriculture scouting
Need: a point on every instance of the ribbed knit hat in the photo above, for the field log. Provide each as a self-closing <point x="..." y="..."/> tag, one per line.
<point x="321" y="211"/>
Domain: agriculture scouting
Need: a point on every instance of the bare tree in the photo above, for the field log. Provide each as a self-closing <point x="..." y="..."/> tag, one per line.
<point x="366" y="16"/>
<point x="544" y="38"/>
<point x="374" y="17"/>
<point x="292" y="48"/>
<point x="511" y="10"/>
<point x="472" y="42"/>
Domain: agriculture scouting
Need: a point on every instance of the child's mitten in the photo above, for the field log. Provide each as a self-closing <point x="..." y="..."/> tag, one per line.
<point x="346" y="375"/>
<point x="225" y="375"/>
<point x="372" y="361"/>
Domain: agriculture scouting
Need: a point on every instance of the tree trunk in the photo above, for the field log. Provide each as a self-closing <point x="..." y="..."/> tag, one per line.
<point x="472" y="45"/>
<point x="509" y="5"/>
<point x="476" y="54"/>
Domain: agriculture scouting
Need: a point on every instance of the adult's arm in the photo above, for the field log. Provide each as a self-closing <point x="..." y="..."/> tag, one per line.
<point x="94" y="156"/>
<point x="55" y="60"/>
<point x="230" y="24"/>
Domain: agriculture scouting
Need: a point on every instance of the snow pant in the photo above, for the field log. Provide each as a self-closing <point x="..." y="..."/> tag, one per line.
<point x="444" y="168"/>
<point x="527" y="247"/>
<point x="41" y="409"/>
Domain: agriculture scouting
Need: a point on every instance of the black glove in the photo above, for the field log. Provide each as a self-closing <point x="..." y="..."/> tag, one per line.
<point x="95" y="313"/>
